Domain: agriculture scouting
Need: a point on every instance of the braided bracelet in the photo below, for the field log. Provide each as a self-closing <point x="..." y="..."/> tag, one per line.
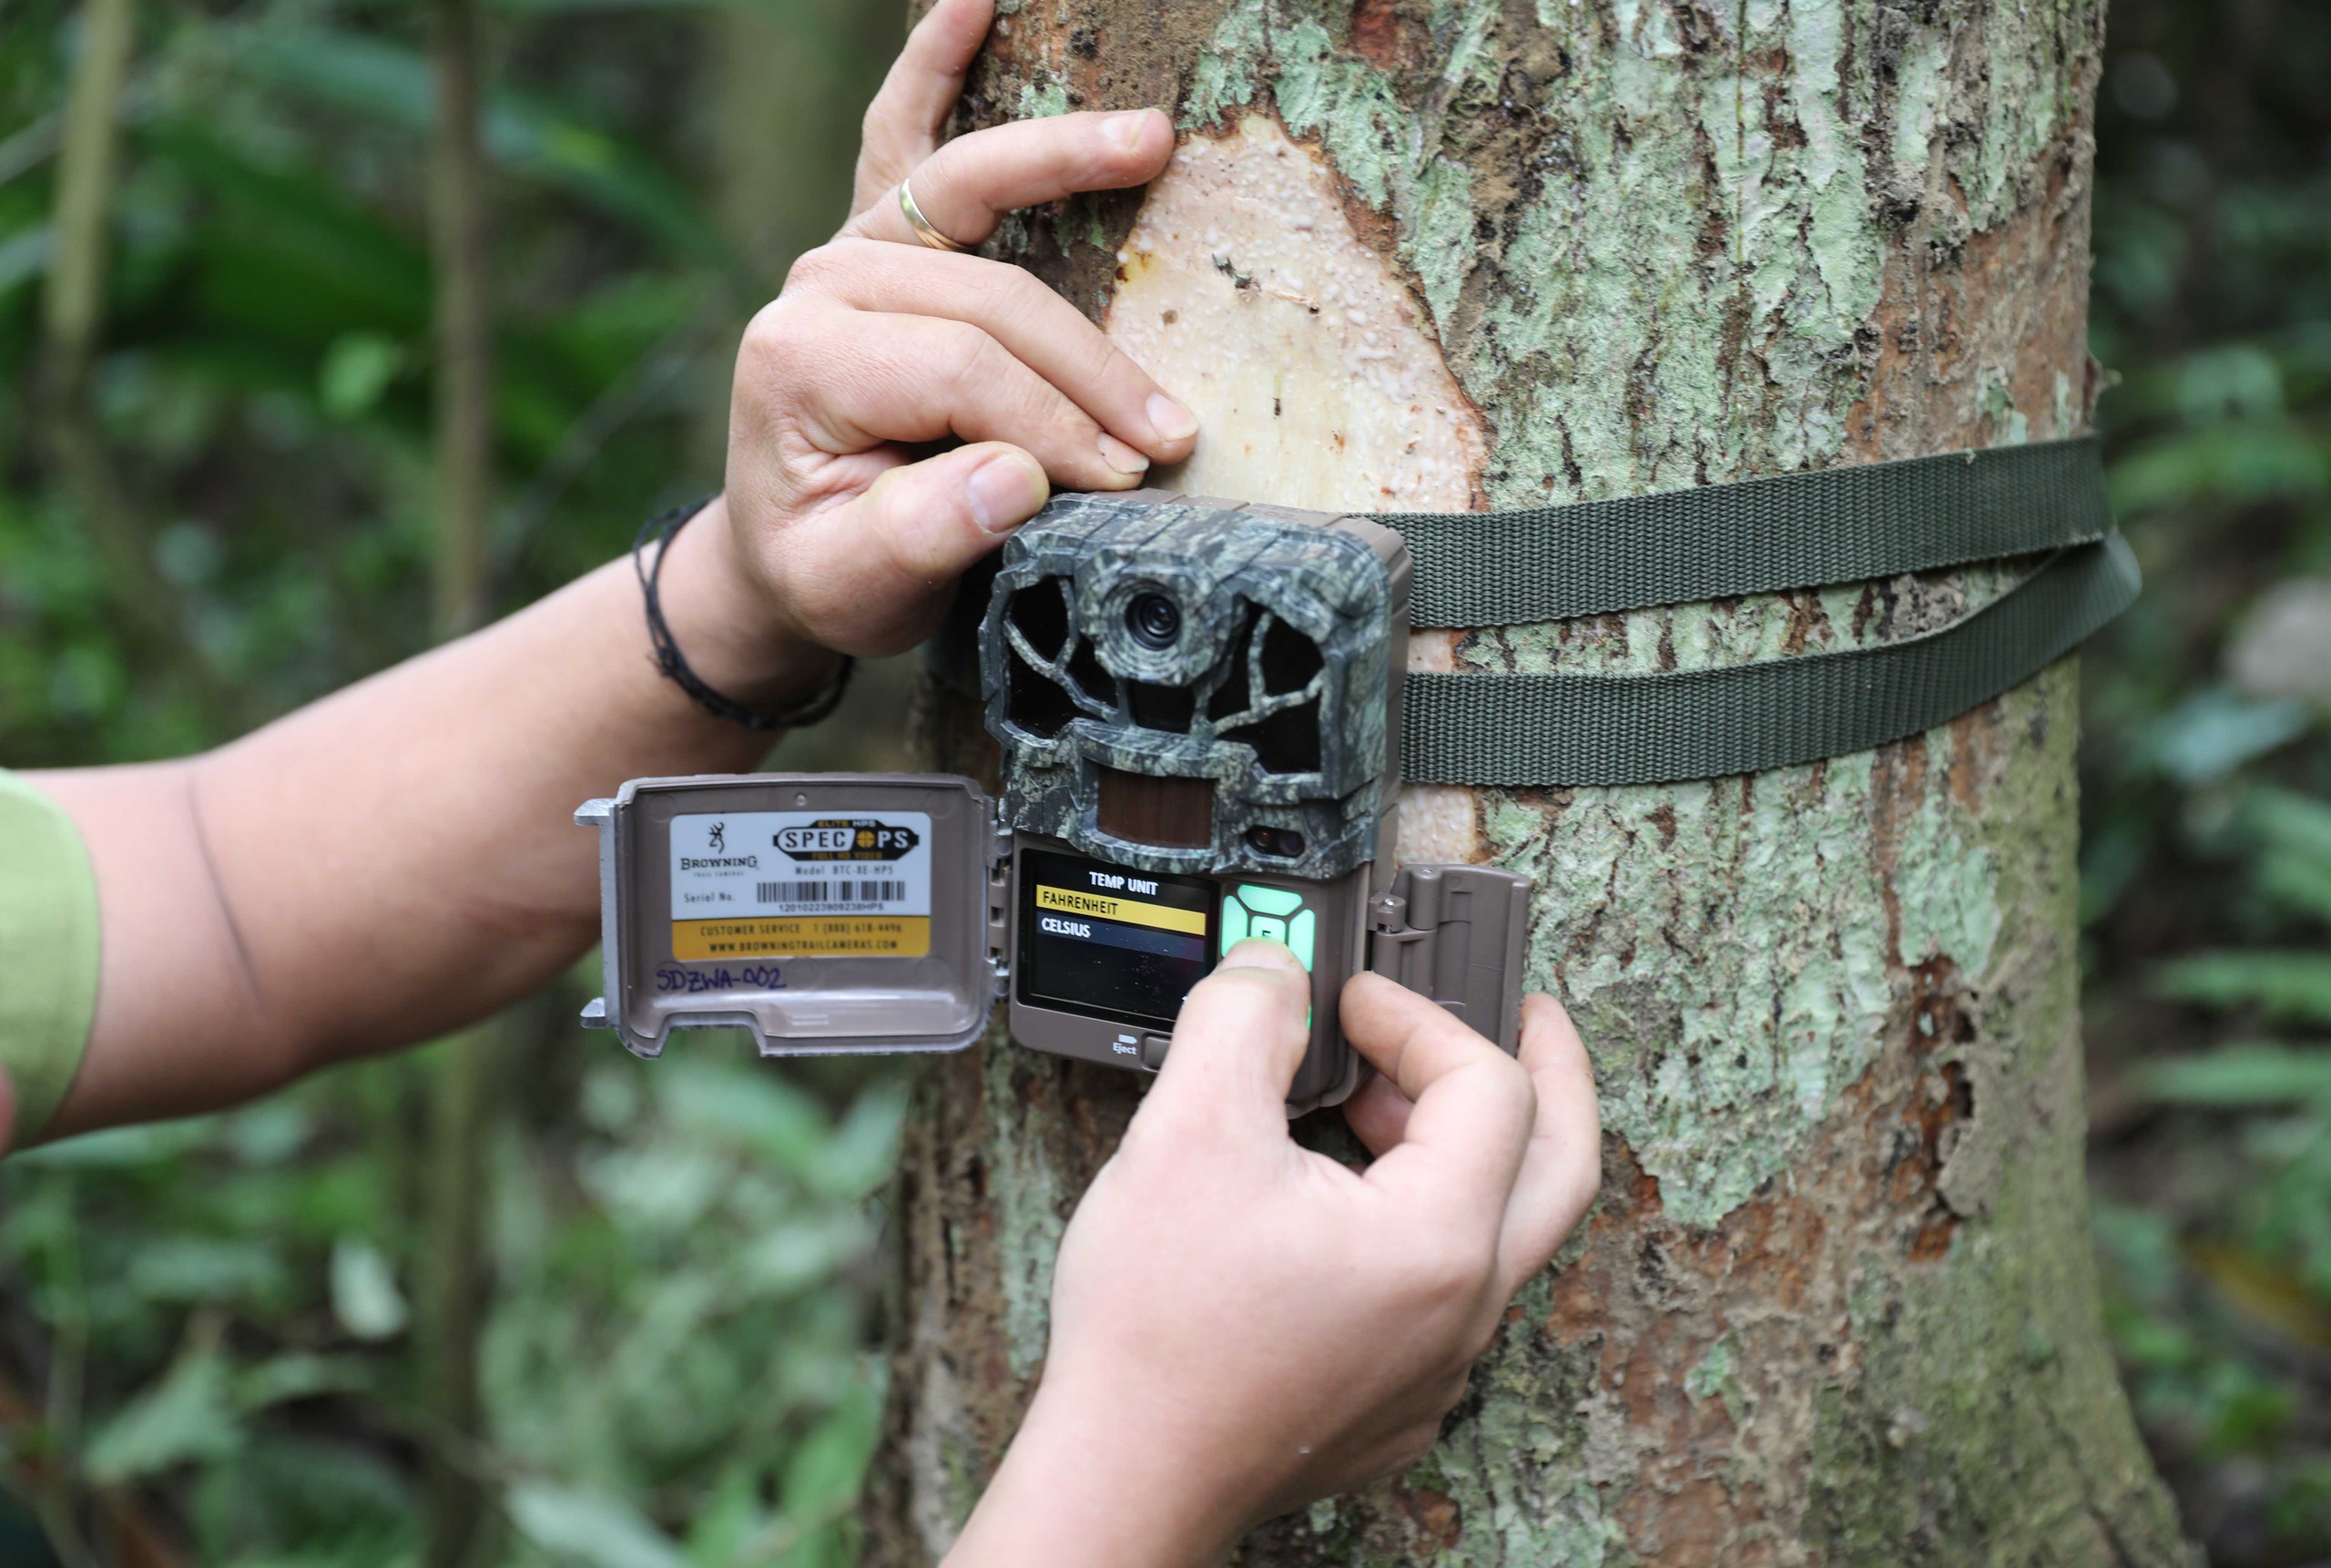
<point x="820" y="704"/>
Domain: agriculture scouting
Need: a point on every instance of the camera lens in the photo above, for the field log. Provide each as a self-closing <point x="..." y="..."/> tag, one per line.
<point x="1154" y="620"/>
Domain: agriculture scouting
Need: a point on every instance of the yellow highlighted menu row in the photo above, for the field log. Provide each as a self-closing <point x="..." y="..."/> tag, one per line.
<point x="1132" y="911"/>
<point x="803" y="936"/>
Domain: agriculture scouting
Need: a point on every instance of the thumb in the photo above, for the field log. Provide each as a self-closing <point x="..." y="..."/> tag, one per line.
<point x="873" y="575"/>
<point x="1237" y="1045"/>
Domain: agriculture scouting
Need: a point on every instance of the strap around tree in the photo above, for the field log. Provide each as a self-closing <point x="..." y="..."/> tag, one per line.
<point x="1791" y="531"/>
<point x="1756" y="537"/>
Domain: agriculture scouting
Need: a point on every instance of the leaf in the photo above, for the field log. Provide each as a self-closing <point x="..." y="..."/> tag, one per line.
<point x="2292" y="824"/>
<point x="748" y="1109"/>
<point x="269" y="1134"/>
<point x="191" y="1415"/>
<point x="319" y="1503"/>
<point x="2244" y="1077"/>
<point x="2253" y="461"/>
<point x="2295" y="861"/>
<point x="2283" y="984"/>
<point x="2229" y="381"/>
<point x="120" y="1148"/>
<point x="2302" y="885"/>
<point x="530" y="8"/>
<point x="863" y="1152"/>
<point x="809" y="27"/>
<point x="794" y="1256"/>
<point x="200" y="1269"/>
<point x="356" y="371"/>
<point x="822" y="1475"/>
<point x="365" y="1294"/>
<point x="727" y="1522"/>
<point x="296" y="1376"/>
<point x="23" y="259"/>
<point x="2213" y="732"/>
<point x="392" y="83"/>
<point x="593" y="1528"/>
<point x="288" y="254"/>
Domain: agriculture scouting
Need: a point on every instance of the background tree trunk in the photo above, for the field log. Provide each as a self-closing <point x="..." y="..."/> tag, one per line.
<point x="152" y="613"/>
<point x="460" y="1114"/>
<point x="1836" y="1305"/>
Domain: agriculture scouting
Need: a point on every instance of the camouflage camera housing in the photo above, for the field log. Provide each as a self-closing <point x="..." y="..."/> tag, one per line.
<point x="1210" y="692"/>
<point x="1194" y="686"/>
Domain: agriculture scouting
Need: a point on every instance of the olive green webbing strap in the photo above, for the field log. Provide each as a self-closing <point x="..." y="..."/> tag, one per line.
<point x="1795" y="531"/>
<point x="1757" y="536"/>
<point x="1573" y="730"/>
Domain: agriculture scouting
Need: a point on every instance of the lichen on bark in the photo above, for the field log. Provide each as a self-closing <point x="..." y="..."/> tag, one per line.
<point x="1835" y="1304"/>
<point x="1031" y="1205"/>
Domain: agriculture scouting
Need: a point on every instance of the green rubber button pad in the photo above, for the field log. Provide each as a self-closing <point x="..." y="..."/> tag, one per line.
<point x="1276" y="913"/>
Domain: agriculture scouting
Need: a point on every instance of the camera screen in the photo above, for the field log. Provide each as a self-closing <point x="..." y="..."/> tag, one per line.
<point x="1111" y="941"/>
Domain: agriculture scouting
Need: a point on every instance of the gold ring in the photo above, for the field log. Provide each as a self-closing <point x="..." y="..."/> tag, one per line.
<point x="924" y="230"/>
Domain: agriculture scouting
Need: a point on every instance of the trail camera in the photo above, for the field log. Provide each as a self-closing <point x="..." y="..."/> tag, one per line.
<point x="1197" y="705"/>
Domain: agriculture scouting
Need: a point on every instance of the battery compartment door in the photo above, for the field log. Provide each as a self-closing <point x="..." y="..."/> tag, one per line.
<point x="825" y="912"/>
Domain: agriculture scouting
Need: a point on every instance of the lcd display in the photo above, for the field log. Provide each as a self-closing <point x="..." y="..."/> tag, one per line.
<point x="1111" y="943"/>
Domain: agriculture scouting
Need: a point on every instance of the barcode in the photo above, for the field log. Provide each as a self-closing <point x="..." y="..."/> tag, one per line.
<point x="835" y="890"/>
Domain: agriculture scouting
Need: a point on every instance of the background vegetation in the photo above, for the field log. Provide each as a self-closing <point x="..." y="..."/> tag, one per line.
<point x="2207" y="850"/>
<point x="224" y="508"/>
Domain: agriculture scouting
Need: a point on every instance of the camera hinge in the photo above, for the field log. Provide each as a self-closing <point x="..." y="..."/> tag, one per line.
<point x="1455" y="934"/>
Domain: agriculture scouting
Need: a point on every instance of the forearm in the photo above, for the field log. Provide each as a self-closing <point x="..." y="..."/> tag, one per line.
<point x="399" y="858"/>
<point x="1078" y="1488"/>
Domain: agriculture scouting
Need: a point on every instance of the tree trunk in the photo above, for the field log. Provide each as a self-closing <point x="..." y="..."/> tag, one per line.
<point x="151" y="611"/>
<point x="454" y="1284"/>
<point x="1836" y="1305"/>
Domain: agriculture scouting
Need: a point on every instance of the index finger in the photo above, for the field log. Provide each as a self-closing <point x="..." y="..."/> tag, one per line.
<point x="1471" y="1104"/>
<point x="965" y="188"/>
<point x="903" y="122"/>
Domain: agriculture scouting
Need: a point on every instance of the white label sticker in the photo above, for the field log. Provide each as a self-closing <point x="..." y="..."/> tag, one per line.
<point x="792" y="863"/>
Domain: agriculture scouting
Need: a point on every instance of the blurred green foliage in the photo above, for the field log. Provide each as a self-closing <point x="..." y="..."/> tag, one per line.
<point x="2206" y="882"/>
<point x="205" y="1327"/>
<point x="675" y="1366"/>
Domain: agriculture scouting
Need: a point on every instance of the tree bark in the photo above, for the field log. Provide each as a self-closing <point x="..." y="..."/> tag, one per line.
<point x="1836" y="1305"/>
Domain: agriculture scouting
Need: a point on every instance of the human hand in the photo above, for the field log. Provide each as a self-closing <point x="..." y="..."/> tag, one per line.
<point x="1241" y="1326"/>
<point x="879" y="345"/>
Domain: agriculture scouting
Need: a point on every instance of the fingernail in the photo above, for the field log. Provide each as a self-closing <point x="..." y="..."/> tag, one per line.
<point x="1262" y="953"/>
<point x="1170" y="420"/>
<point x="1003" y="492"/>
<point x="1126" y="129"/>
<point x="1121" y="457"/>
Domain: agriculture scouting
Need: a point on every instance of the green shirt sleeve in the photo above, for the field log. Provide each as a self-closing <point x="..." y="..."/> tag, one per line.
<point x="48" y="951"/>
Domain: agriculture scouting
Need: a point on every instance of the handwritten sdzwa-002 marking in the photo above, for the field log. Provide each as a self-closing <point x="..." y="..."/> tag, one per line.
<point x="765" y="977"/>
